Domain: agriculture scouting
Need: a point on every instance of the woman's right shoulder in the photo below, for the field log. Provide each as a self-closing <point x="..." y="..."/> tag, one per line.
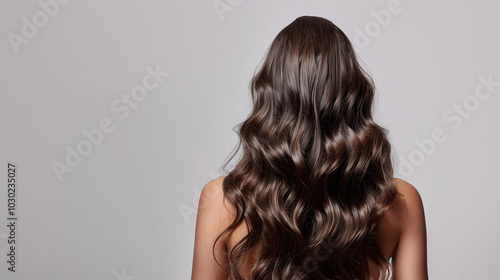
<point x="410" y="254"/>
<point x="405" y="188"/>
<point x="407" y="201"/>
<point x="409" y="198"/>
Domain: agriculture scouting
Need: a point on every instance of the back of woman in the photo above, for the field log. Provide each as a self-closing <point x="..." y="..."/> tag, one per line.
<point x="313" y="195"/>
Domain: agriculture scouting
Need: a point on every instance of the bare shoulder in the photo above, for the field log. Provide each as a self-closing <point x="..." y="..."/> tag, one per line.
<point x="407" y="190"/>
<point x="407" y="203"/>
<point x="212" y="199"/>
<point x="211" y="220"/>
<point x="212" y="193"/>
<point x="409" y="198"/>
<point x="213" y="187"/>
<point x="410" y="254"/>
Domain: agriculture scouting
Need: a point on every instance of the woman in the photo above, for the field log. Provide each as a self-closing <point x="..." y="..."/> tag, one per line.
<point x="313" y="194"/>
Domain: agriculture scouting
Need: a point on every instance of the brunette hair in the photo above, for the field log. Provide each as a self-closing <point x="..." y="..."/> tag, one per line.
<point x="315" y="176"/>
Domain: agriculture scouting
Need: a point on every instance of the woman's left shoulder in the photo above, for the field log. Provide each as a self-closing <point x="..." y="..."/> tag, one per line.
<point x="212" y="199"/>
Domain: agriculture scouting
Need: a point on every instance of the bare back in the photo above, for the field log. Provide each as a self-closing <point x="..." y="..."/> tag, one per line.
<point x="401" y="236"/>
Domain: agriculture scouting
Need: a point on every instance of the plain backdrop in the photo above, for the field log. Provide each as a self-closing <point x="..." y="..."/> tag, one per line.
<point x="121" y="203"/>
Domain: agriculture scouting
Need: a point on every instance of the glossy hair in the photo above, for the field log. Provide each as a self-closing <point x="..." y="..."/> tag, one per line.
<point x="315" y="177"/>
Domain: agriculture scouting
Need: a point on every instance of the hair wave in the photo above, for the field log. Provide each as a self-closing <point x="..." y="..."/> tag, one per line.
<point x="315" y="176"/>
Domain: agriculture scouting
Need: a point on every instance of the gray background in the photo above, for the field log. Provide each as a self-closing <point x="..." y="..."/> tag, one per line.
<point x="127" y="210"/>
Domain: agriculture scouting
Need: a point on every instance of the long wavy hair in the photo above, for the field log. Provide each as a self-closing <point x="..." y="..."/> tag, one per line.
<point x="315" y="176"/>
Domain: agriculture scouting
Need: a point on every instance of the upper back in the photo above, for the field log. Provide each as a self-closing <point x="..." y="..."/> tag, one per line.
<point x="393" y="228"/>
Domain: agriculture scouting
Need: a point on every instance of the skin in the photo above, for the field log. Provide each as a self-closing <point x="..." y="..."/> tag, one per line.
<point x="402" y="235"/>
